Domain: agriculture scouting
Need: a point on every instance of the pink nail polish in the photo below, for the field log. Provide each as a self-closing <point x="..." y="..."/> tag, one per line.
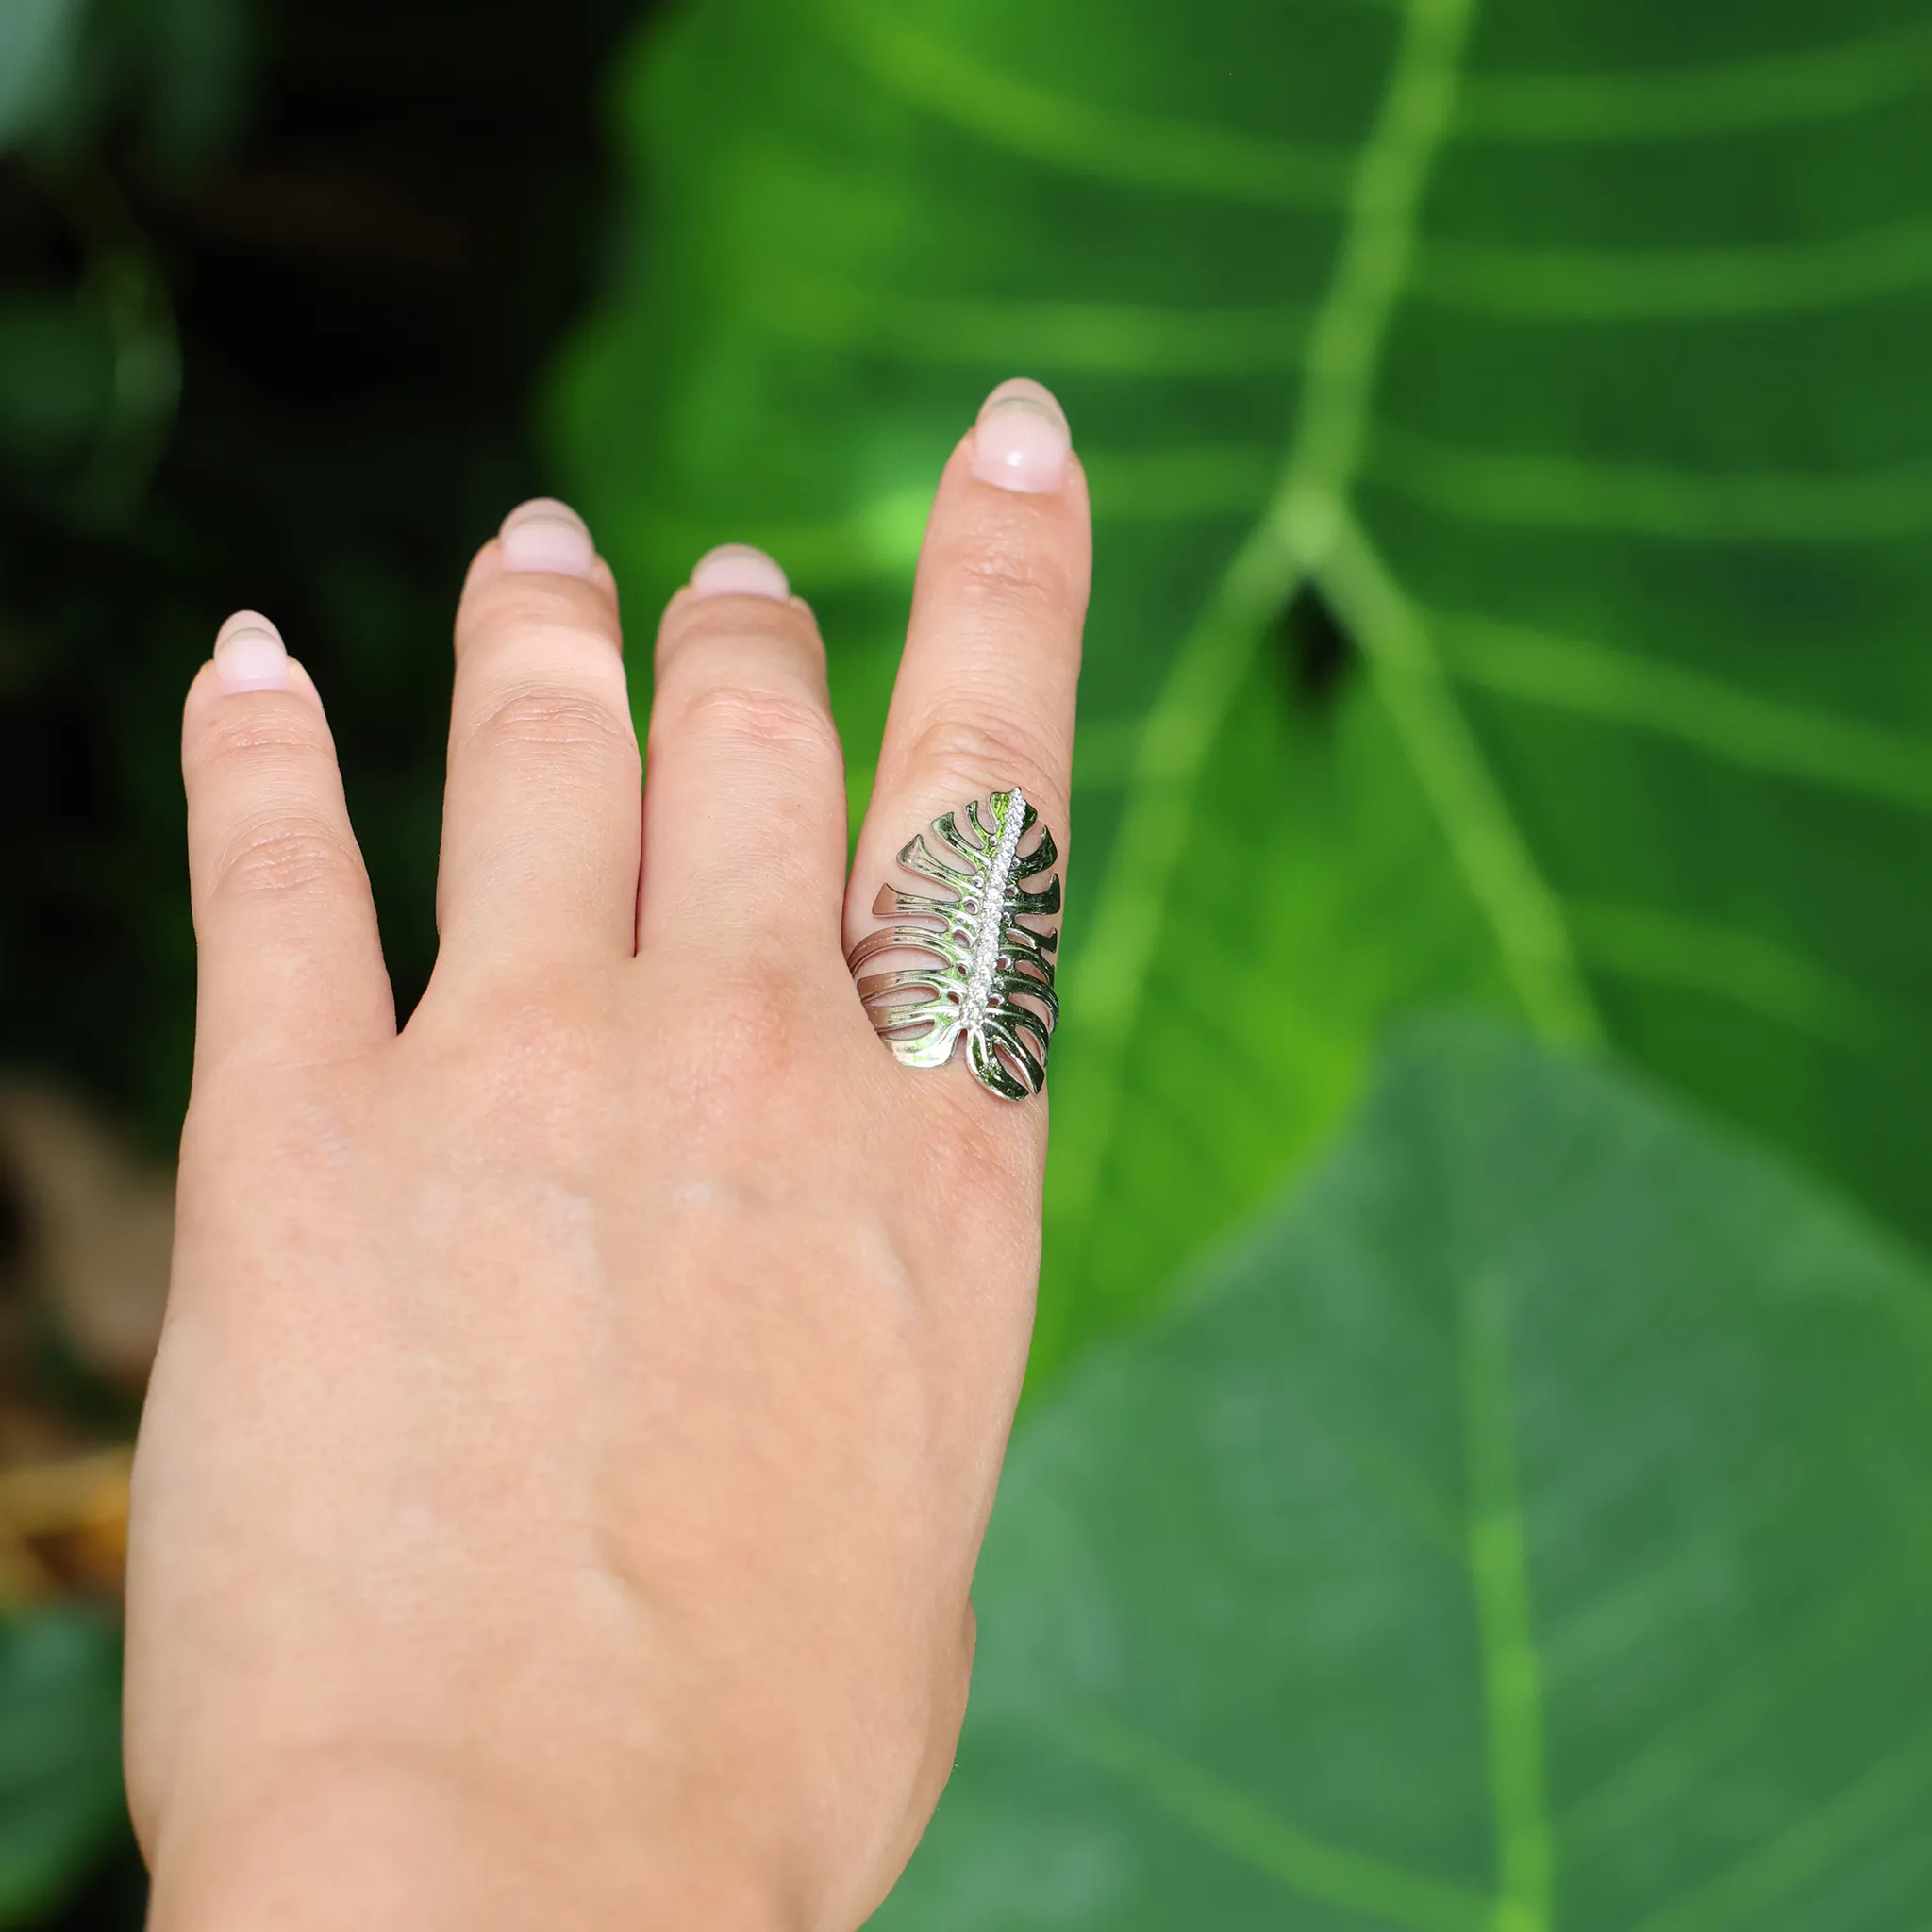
<point x="1022" y="440"/>
<point x="545" y="535"/>
<point x="250" y="654"/>
<point x="736" y="569"/>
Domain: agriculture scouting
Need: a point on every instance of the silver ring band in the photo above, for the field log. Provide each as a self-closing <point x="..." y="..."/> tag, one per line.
<point x="990" y="983"/>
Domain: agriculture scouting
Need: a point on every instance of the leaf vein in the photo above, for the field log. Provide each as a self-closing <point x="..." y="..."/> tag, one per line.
<point x="1108" y="977"/>
<point x="1648" y="500"/>
<point x="1806" y="1852"/>
<point x="1744" y="969"/>
<point x="1041" y="126"/>
<point x="1757" y="733"/>
<point x="1475" y="818"/>
<point x="1498" y="1570"/>
<point x="1610" y="286"/>
<point x="1228" y="1818"/>
<point x="1113" y="338"/>
<point x="1821" y="83"/>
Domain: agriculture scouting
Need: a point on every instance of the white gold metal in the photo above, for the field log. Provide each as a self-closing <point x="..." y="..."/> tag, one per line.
<point x="989" y="985"/>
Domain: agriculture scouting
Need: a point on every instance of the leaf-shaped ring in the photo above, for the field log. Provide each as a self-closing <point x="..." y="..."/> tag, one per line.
<point x="990" y="980"/>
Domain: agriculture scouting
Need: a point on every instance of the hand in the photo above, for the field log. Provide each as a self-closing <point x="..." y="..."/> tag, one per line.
<point x="577" y="1414"/>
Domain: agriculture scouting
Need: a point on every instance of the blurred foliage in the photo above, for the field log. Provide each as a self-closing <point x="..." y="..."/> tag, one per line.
<point x="60" y="1803"/>
<point x="1460" y="1568"/>
<point x="36" y="52"/>
<point x="173" y="74"/>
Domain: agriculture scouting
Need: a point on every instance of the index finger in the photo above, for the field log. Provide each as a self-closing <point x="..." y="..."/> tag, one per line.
<point x="984" y="705"/>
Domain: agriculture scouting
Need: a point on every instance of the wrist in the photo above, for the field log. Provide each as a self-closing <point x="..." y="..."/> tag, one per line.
<point x="363" y="1844"/>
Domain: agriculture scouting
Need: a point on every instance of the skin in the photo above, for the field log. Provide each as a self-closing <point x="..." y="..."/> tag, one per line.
<point x="578" y="1414"/>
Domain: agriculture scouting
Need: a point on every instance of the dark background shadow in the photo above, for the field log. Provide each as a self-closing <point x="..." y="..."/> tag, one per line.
<point x="356" y="230"/>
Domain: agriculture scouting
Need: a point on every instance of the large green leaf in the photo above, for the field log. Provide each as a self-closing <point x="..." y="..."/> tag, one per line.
<point x="1573" y="355"/>
<point x="1272" y="966"/>
<point x="60" y="1801"/>
<point x="1525" y="1527"/>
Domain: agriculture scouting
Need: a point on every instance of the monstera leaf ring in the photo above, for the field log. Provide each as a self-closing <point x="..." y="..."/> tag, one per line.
<point x="989" y="983"/>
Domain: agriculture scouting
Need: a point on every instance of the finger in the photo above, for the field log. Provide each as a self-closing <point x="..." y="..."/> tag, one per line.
<point x="744" y="807"/>
<point x="541" y="827"/>
<point x="984" y="703"/>
<point x="290" y="964"/>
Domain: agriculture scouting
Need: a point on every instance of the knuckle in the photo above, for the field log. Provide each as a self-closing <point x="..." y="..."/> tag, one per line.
<point x="281" y="732"/>
<point x="532" y="1055"/>
<point x="749" y="1047"/>
<point x="281" y="854"/>
<point x="988" y="748"/>
<point x="1005" y="571"/>
<point x="535" y="1041"/>
<point x="757" y="718"/>
<point x="754" y="1014"/>
<point x="550" y="719"/>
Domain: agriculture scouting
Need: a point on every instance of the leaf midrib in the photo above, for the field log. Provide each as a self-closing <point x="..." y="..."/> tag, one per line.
<point x="1307" y="533"/>
<point x="1498" y="1571"/>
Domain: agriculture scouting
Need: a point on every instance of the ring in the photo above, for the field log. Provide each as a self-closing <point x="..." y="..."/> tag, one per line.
<point x="991" y="979"/>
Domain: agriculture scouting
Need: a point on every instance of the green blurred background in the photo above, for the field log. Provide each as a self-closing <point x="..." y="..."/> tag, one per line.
<point x="1474" y="1470"/>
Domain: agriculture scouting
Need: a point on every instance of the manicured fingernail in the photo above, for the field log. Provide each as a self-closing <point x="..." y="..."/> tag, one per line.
<point x="547" y="534"/>
<point x="250" y="654"/>
<point x="736" y="569"/>
<point x="1022" y="440"/>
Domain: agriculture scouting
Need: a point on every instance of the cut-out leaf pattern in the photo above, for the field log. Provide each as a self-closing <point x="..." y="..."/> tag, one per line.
<point x="1524" y="1528"/>
<point x="1573" y="355"/>
<point x="988" y="981"/>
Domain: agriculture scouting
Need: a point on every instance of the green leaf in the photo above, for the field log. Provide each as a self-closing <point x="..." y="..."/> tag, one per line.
<point x="1572" y="356"/>
<point x="61" y="1800"/>
<point x="1181" y="1096"/>
<point x="1525" y="1526"/>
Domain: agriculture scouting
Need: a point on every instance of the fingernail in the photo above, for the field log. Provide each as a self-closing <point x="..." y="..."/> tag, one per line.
<point x="545" y="535"/>
<point x="1022" y="440"/>
<point x="736" y="569"/>
<point x="250" y="654"/>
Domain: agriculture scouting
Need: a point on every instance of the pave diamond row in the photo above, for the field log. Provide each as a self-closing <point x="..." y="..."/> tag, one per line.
<point x="992" y="909"/>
